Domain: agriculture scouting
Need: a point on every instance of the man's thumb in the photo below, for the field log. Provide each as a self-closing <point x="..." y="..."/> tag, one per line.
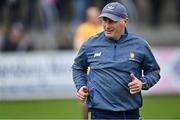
<point x="85" y="89"/>
<point x="132" y="76"/>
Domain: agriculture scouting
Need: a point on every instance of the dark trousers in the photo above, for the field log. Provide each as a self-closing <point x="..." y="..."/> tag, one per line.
<point x="124" y="115"/>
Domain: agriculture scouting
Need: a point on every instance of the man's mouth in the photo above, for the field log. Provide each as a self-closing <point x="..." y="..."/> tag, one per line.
<point x="108" y="31"/>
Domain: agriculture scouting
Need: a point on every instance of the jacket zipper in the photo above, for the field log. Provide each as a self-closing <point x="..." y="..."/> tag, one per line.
<point x="114" y="52"/>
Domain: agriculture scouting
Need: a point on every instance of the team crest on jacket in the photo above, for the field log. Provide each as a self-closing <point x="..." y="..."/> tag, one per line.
<point x="131" y="56"/>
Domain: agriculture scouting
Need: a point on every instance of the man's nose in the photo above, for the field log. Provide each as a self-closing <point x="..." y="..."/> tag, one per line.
<point x="107" y="24"/>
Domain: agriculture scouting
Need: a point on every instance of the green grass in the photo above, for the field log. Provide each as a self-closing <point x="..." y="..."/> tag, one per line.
<point x="40" y="109"/>
<point x="161" y="107"/>
<point x="155" y="107"/>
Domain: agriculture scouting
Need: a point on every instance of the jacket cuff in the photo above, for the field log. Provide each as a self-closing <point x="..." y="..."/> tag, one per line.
<point x="145" y="84"/>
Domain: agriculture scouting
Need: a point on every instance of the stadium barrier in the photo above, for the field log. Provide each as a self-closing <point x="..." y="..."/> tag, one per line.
<point x="47" y="75"/>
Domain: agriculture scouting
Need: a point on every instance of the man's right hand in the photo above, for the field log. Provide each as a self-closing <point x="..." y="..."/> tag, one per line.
<point x="82" y="94"/>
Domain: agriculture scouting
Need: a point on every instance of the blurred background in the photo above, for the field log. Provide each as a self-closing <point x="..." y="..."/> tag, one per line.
<point x="39" y="40"/>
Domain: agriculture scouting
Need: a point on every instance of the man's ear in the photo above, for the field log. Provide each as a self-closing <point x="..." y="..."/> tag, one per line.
<point x="125" y="21"/>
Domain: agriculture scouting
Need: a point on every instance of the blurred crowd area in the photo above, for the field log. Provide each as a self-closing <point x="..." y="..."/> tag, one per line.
<point x="35" y="25"/>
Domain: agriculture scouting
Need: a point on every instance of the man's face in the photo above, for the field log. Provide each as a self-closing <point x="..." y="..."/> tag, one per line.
<point x="113" y="29"/>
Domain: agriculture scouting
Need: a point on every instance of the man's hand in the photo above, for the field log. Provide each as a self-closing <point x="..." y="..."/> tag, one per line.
<point x="82" y="94"/>
<point x="135" y="85"/>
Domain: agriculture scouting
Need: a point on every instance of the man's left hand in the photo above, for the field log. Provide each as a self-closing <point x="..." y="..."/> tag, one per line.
<point x="135" y="85"/>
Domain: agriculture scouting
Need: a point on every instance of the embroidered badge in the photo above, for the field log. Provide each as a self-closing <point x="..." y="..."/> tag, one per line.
<point x="132" y="56"/>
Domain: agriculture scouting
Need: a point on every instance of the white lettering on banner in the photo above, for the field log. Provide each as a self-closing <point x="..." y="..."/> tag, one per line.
<point x="29" y="69"/>
<point x="36" y="72"/>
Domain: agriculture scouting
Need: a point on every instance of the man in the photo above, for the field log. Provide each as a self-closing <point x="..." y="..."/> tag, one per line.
<point x="90" y="27"/>
<point x="122" y="64"/>
<point x="15" y="39"/>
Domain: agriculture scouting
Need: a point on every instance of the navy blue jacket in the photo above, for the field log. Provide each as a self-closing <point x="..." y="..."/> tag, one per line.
<point x="111" y="63"/>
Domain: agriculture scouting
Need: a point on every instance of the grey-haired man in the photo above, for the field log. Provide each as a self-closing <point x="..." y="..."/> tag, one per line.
<point x="116" y="58"/>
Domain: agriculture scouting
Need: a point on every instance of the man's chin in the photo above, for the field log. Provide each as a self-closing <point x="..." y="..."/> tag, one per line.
<point x="109" y="36"/>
